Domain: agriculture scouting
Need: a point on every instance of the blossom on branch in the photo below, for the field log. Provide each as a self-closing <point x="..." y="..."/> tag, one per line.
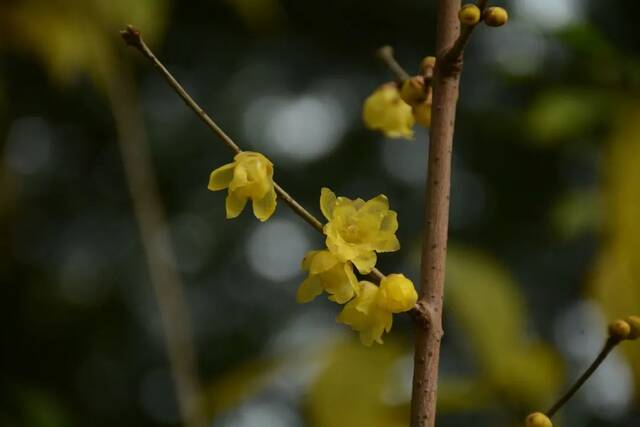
<point x="327" y="273"/>
<point x="250" y="176"/>
<point x="384" y="110"/>
<point x="357" y="229"/>
<point x="371" y="311"/>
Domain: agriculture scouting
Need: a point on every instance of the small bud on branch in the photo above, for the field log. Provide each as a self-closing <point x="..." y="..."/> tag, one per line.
<point x="495" y="16"/>
<point x="537" y="419"/>
<point x="470" y="14"/>
<point x="619" y="330"/>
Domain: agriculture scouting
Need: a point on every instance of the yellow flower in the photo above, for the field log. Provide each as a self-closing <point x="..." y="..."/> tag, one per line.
<point x="422" y="114"/>
<point x="384" y="110"/>
<point x="250" y="176"/>
<point x="397" y="293"/>
<point x="327" y="273"/>
<point x="370" y="312"/>
<point x="364" y="314"/>
<point x="357" y="229"/>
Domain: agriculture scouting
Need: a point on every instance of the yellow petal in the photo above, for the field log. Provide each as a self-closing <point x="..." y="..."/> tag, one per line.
<point x="365" y="316"/>
<point x="365" y="262"/>
<point x="390" y="244"/>
<point x="308" y="258"/>
<point x="327" y="202"/>
<point x="341" y="296"/>
<point x="389" y="222"/>
<point x="353" y="280"/>
<point x="367" y="296"/>
<point x="263" y="208"/>
<point x="322" y="262"/>
<point x="377" y="205"/>
<point x="234" y="204"/>
<point x="308" y="290"/>
<point x="221" y="177"/>
<point x="385" y="110"/>
<point x="422" y="114"/>
<point x="386" y="321"/>
<point x="340" y="282"/>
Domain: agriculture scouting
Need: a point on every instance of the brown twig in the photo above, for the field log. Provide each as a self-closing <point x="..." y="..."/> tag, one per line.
<point x="133" y="38"/>
<point x="436" y="218"/>
<point x="385" y="54"/>
<point x="154" y="231"/>
<point x="609" y="345"/>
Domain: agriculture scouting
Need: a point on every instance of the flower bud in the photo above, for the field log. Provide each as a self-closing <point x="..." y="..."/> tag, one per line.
<point x="495" y="16"/>
<point x="428" y="63"/>
<point x="619" y="330"/>
<point x="634" y="324"/>
<point x="413" y="91"/>
<point x="397" y="294"/>
<point x="469" y="14"/>
<point x="422" y="114"/>
<point x="538" y="419"/>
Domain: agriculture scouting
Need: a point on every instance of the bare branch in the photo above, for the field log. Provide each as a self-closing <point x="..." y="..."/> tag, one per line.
<point x="436" y="217"/>
<point x="154" y="232"/>
<point x="609" y="345"/>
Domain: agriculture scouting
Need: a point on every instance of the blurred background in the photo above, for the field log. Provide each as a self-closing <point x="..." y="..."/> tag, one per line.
<point x="545" y="236"/>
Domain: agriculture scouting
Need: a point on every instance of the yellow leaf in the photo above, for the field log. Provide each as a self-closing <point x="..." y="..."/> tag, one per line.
<point x="238" y="385"/>
<point x="351" y="390"/>
<point x="259" y="15"/>
<point x="616" y="279"/>
<point x="485" y="301"/>
<point x="72" y="37"/>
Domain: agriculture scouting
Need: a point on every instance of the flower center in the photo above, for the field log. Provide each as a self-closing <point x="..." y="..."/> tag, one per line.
<point x="351" y="232"/>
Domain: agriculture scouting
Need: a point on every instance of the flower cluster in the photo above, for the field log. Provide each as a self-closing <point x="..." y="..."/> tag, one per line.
<point x="250" y="176"/>
<point x="394" y="108"/>
<point x="355" y="232"/>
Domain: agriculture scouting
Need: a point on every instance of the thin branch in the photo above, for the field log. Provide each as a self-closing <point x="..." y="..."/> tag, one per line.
<point x="454" y="54"/>
<point x="609" y="345"/>
<point x="385" y="54"/>
<point x="133" y="38"/>
<point x="445" y="86"/>
<point x="154" y="231"/>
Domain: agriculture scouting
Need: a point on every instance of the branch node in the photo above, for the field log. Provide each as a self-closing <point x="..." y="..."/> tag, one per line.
<point x="423" y="316"/>
<point x="132" y="37"/>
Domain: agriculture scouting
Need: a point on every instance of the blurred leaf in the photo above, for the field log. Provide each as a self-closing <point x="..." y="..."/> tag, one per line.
<point x="576" y="213"/>
<point x="238" y="385"/>
<point x="43" y="410"/>
<point x="485" y="300"/>
<point x="351" y="391"/>
<point x="78" y="36"/>
<point x="463" y="395"/>
<point x="259" y="15"/>
<point x="562" y="114"/>
<point x="586" y="39"/>
<point x="616" y="279"/>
